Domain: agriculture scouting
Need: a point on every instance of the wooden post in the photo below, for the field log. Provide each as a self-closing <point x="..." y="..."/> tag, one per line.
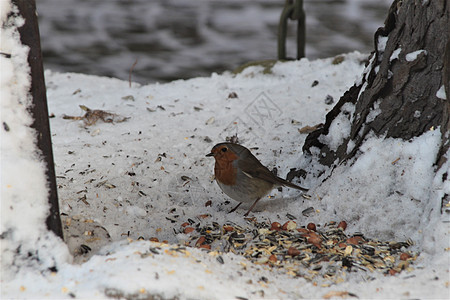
<point x="29" y="35"/>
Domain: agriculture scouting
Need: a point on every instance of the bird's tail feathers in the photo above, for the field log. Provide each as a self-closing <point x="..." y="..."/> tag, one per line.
<point x="291" y="185"/>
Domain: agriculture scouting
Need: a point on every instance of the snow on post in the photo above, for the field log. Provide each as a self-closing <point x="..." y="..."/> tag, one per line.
<point x="25" y="240"/>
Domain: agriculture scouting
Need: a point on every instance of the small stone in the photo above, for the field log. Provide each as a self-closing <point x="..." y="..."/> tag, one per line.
<point x="154" y="239"/>
<point x="208" y="203"/>
<point x="185" y="224"/>
<point x="205" y="246"/>
<point x="273" y="258"/>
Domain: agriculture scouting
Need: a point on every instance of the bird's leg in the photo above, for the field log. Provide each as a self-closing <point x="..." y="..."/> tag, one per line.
<point x="235" y="208"/>
<point x="251" y="207"/>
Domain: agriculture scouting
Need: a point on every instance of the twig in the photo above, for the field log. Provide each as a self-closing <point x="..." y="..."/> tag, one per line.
<point x="131" y="71"/>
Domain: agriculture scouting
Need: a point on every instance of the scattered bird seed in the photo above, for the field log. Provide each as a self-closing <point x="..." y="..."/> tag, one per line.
<point x="210" y="121"/>
<point x="329" y="100"/>
<point x="128" y="98"/>
<point x="232" y="95"/>
<point x="326" y="252"/>
<point x="308" y="211"/>
<point x="84" y="249"/>
<point x="7" y="55"/>
<point x="220" y="259"/>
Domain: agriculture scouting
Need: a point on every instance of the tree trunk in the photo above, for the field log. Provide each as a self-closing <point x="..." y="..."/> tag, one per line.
<point x="398" y="96"/>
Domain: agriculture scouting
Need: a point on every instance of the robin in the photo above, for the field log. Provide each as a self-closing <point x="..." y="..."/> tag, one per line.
<point x="242" y="177"/>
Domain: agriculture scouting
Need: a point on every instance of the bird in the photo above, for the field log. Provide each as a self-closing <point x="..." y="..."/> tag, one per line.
<point x="242" y="177"/>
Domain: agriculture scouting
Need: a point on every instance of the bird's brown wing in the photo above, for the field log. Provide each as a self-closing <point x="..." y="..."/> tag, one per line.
<point x="252" y="167"/>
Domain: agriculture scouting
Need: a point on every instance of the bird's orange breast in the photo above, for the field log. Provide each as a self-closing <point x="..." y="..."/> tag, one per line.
<point x="224" y="170"/>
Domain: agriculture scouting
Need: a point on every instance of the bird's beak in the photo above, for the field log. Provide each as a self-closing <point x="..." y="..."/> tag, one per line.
<point x="210" y="154"/>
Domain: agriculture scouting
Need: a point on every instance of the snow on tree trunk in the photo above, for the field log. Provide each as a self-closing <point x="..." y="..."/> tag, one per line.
<point x="405" y="87"/>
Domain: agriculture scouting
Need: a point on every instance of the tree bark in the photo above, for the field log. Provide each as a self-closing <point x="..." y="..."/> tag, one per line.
<point x="397" y="96"/>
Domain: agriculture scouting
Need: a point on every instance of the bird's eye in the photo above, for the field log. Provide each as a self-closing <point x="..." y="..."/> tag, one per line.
<point x="224" y="149"/>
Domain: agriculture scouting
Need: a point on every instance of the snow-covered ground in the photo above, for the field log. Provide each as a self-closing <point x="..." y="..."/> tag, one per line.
<point x="145" y="174"/>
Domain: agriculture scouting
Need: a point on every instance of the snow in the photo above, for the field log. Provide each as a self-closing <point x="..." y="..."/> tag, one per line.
<point x="441" y="93"/>
<point x="412" y="56"/>
<point x="178" y="131"/>
<point x="382" y="40"/>
<point x="386" y="198"/>
<point x="23" y="183"/>
<point x="417" y="114"/>
<point x="395" y="54"/>
<point x="131" y="178"/>
<point x="339" y="128"/>
<point x="374" y="112"/>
